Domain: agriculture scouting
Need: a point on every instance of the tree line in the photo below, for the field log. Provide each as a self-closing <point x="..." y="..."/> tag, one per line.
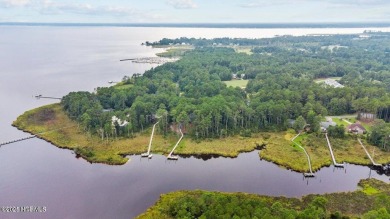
<point x="281" y="73"/>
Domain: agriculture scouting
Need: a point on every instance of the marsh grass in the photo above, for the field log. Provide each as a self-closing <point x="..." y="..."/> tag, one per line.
<point x="52" y="124"/>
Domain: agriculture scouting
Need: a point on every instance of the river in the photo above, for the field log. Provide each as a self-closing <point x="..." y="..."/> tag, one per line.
<point x="53" y="61"/>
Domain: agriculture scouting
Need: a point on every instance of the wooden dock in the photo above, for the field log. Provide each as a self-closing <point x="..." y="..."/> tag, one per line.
<point x="170" y="156"/>
<point x="42" y="97"/>
<point x="147" y="154"/>
<point x="310" y="174"/>
<point x="369" y="156"/>
<point x="17" y="140"/>
<point x="331" y="153"/>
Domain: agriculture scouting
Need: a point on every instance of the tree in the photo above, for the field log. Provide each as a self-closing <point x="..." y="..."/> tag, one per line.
<point x="299" y="124"/>
<point x="336" y="131"/>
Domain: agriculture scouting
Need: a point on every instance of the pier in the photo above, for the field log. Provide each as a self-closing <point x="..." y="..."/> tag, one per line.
<point x="39" y="96"/>
<point x="369" y="156"/>
<point x="147" y="154"/>
<point x="331" y="153"/>
<point x="17" y="140"/>
<point x="151" y="60"/>
<point x="33" y="136"/>
<point x="170" y="156"/>
<point x="310" y="174"/>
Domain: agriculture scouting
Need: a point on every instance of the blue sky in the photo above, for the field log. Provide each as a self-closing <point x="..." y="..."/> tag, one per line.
<point x="194" y="11"/>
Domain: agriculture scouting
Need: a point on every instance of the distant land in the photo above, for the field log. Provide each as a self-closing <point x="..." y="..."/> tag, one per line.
<point x="211" y="25"/>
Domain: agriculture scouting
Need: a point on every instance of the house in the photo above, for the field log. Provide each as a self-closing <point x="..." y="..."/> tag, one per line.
<point x="325" y="125"/>
<point x="356" y="129"/>
<point x="333" y="83"/>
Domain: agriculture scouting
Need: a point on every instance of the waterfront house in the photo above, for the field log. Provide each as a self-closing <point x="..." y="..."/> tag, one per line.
<point x="357" y="128"/>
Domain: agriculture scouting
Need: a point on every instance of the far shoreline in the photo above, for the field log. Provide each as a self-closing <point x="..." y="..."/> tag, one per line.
<point x="213" y="25"/>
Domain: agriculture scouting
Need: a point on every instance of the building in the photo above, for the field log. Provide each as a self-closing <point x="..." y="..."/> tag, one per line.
<point x="366" y="116"/>
<point x="333" y="83"/>
<point x="325" y="125"/>
<point x="356" y="129"/>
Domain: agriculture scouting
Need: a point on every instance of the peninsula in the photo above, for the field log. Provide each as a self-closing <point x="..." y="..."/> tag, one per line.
<point x="229" y="96"/>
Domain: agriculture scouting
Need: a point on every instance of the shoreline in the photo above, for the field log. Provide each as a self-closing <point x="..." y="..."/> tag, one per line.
<point x="349" y="204"/>
<point x="93" y="150"/>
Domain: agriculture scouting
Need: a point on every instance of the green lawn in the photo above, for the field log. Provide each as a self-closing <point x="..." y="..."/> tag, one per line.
<point x="237" y="83"/>
<point x="244" y="49"/>
<point x="340" y="121"/>
<point x="175" y="51"/>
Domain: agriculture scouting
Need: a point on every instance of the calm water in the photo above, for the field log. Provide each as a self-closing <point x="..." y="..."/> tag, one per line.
<point x="56" y="60"/>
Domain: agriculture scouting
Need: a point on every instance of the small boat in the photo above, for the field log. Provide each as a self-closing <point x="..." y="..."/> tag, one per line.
<point x="145" y="155"/>
<point x="150" y="156"/>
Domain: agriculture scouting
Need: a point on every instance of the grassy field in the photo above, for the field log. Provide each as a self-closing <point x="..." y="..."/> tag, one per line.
<point x="341" y="120"/>
<point x="243" y="49"/>
<point x="237" y="83"/>
<point x="372" y="195"/>
<point x="67" y="134"/>
<point x="52" y="124"/>
<point x="175" y="51"/>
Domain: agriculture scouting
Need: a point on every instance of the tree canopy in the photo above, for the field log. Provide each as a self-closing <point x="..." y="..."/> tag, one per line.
<point x="281" y="72"/>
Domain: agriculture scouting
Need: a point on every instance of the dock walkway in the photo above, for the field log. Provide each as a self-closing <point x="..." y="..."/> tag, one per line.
<point x="17" y="140"/>
<point x="369" y="156"/>
<point x="310" y="174"/>
<point x="331" y="153"/>
<point x="147" y="154"/>
<point x="170" y="156"/>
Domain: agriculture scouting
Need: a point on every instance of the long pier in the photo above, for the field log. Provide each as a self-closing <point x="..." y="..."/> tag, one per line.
<point x="170" y="157"/>
<point x="310" y="174"/>
<point x="17" y="140"/>
<point x="369" y="156"/>
<point x="147" y="154"/>
<point x="42" y="97"/>
<point x="331" y="153"/>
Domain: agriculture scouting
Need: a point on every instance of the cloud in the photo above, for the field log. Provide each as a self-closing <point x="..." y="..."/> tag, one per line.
<point x="15" y="3"/>
<point x="359" y="2"/>
<point x="49" y="7"/>
<point x="182" y="4"/>
<point x="266" y="3"/>
<point x="353" y="3"/>
<point x="365" y="4"/>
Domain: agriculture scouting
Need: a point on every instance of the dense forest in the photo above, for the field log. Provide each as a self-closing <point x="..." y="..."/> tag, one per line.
<point x="372" y="202"/>
<point x="281" y="88"/>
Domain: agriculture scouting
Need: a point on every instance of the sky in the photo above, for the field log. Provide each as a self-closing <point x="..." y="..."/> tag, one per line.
<point x="194" y="11"/>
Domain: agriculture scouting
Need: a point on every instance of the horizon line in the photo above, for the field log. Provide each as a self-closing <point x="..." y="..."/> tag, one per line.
<point x="356" y="24"/>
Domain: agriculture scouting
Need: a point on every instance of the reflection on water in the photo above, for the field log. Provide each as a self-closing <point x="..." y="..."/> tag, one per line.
<point x="381" y="170"/>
